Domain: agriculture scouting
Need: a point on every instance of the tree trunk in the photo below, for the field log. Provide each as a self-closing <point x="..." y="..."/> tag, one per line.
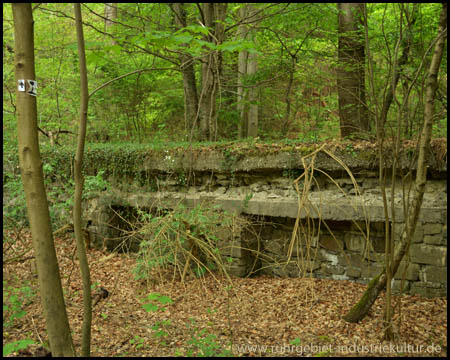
<point x="252" y="130"/>
<point x="247" y="65"/>
<point x="400" y="64"/>
<point x="214" y="16"/>
<point x="207" y="98"/>
<point x="242" y="71"/>
<point x="33" y="183"/>
<point x="110" y="14"/>
<point x="287" y="97"/>
<point x="350" y="73"/>
<point x="360" y="310"/>
<point x="188" y="71"/>
<point x="81" y="249"/>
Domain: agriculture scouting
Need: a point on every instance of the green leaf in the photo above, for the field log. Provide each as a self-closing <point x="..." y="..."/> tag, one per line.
<point x="116" y="49"/>
<point x="150" y="307"/>
<point x="165" y="300"/>
<point x="199" y="29"/>
<point x="154" y="296"/>
<point x="183" y="38"/>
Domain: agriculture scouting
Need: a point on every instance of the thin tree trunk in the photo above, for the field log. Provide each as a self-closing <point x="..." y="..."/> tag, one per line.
<point x="252" y="130"/>
<point x="287" y="97"/>
<point x="242" y="71"/>
<point x="30" y="162"/>
<point x="360" y="310"/>
<point x="81" y="249"/>
<point x="398" y="68"/>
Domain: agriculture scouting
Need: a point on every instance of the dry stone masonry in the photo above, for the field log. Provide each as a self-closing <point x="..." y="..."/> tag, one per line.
<point x="340" y="228"/>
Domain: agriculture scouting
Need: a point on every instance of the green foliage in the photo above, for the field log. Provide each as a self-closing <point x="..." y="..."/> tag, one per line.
<point x="16" y="346"/>
<point x="168" y="238"/>
<point x="14" y="302"/>
<point x="202" y="343"/>
<point x="351" y="150"/>
<point x="138" y="341"/>
<point x="94" y="184"/>
<point x="290" y="40"/>
<point x="155" y="300"/>
<point x="14" y="209"/>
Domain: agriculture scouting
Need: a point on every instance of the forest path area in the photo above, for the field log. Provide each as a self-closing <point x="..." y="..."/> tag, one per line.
<point x="262" y="316"/>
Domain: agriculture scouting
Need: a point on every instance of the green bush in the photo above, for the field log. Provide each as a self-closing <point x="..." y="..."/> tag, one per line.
<point x="172" y="239"/>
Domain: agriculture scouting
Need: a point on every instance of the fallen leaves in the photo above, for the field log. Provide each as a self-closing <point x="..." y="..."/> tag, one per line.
<point x="262" y="316"/>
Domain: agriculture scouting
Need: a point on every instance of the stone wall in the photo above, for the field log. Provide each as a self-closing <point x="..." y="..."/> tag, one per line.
<point x="339" y="219"/>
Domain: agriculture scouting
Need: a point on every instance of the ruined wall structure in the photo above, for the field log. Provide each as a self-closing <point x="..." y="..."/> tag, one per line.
<point x="340" y="228"/>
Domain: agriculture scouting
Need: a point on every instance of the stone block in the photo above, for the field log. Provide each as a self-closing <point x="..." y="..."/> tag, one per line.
<point x="294" y="269"/>
<point x="429" y="229"/>
<point x="309" y="265"/>
<point x="433" y="239"/>
<point x="236" y="249"/>
<point x="435" y="274"/>
<point x="353" y="272"/>
<point x="371" y="270"/>
<point x="325" y="255"/>
<point x="427" y="289"/>
<point x="278" y="270"/>
<point x="412" y="272"/>
<point x="378" y="243"/>
<point x="428" y="254"/>
<point x="237" y="267"/>
<point x="332" y="269"/>
<point x="351" y="259"/>
<point x="396" y="287"/>
<point x="339" y="277"/>
<point x="274" y="246"/>
<point x="220" y="190"/>
<point x="372" y="256"/>
<point x="418" y="234"/>
<point x="223" y="233"/>
<point x="355" y="242"/>
<point x="331" y="243"/>
<point x="433" y="215"/>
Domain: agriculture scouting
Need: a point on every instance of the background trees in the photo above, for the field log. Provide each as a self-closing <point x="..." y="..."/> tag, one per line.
<point x="310" y="81"/>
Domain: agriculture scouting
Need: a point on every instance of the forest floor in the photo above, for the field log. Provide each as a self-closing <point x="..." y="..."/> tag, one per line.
<point x="259" y="316"/>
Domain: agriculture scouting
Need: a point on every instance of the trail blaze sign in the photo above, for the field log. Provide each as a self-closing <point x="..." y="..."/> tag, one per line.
<point x="21" y="85"/>
<point x="32" y="87"/>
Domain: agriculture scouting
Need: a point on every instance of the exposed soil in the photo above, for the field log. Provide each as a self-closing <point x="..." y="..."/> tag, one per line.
<point x="261" y="316"/>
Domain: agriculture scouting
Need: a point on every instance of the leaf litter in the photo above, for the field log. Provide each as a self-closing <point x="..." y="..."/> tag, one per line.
<point x="259" y="316"/>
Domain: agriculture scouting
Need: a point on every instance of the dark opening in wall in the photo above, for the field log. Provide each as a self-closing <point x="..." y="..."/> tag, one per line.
<point x="124" y="225"/>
